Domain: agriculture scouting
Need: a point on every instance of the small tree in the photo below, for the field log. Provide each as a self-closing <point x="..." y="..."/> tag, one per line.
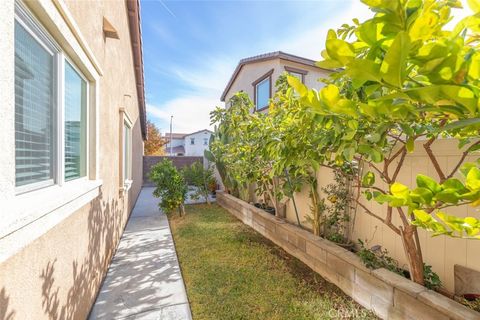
<point x="170" y="186"/>
<point x="404" y="78"/>
<point x="154" y="145"/>
<point x="201" y="178"/>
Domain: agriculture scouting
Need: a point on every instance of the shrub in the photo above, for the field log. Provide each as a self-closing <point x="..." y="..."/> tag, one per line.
<point x="200" y="177"/>
<point x="170" y="186"/>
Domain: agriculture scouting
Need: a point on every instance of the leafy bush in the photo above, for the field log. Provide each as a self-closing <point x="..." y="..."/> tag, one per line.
<point x="170" y="186"/>
<point x="201" y="178"/>
<point x="337" y="208"/>
<point x="378" y="258"/>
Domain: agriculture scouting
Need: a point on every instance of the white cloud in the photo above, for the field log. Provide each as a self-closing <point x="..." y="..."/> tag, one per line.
<point x="190" y="113"/>
<point x="210" y="74"/>
<point x="207" y="80"/>
<point x="309" y="44"/>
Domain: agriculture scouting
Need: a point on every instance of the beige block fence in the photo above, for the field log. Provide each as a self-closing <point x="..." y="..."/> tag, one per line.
<point x="441" y="252"/>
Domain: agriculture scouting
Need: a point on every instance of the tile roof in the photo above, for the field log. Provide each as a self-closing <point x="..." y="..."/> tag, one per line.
<point x="265" y="57"/>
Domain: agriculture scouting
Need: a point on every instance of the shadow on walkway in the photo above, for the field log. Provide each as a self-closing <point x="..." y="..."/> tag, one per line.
<point x="144" y="279"/>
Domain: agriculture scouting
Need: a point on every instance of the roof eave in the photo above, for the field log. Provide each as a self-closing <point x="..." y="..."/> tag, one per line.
<point x="133" y="7"/>
<point x="265" y="57"/>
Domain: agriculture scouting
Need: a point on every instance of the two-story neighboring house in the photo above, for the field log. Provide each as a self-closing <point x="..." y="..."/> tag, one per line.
<point x="188" y="144"/>
<point x="72" y="106"/>
<point x="257" y="76"/>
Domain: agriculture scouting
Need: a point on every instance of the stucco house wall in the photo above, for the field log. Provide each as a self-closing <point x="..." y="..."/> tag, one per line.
<point x="51" y="266"/>
<point x="197" y="149"/>
<point x="254" y="70"/>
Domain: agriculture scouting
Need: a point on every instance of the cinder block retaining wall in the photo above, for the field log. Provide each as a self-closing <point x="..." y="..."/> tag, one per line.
<point x="387" y="294"/>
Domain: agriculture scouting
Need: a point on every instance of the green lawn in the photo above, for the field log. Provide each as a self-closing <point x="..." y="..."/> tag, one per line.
<point x="232" y="272"/>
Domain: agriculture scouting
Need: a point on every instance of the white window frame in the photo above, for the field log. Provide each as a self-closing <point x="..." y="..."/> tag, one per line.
<point x="35" y="29"/>
<point x="125" y="181"/>
<point x="62" y="125"/>
<point x="28" y="214"/>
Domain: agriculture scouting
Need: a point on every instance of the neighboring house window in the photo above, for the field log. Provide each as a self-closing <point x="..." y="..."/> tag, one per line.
<point x="297" y="73"/>
<point x="205" y="141"/>
<point x="192" y="141"/>
<point x="263" y="90"/>
<point x="47" y="151"/>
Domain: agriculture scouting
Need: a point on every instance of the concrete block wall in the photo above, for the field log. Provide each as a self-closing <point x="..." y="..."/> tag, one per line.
<point x="387" y="294"/>
<point x="178" y="161"/>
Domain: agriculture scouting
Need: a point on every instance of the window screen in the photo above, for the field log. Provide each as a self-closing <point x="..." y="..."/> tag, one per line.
<point x="75" y="124"/>
<point x="34" y="110"/>
<point x="263" y="94"/>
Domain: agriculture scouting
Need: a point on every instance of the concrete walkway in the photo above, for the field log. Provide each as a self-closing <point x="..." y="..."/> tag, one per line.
<point x="144" y="279"/>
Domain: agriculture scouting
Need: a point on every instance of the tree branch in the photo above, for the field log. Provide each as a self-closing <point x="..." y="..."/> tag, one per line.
<point x="438" y="169"/>
<point x="462" y="159"/>
<point x="384" y="221"/>
<point x="400" y="164"/>
<point x="403" y="216"/>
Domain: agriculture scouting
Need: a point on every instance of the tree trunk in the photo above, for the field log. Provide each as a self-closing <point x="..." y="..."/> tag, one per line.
<point x="315" y="212"/>
<point x="413" y="253"/>
<point x="206" y="197"/>
<point x="181" y="210"/>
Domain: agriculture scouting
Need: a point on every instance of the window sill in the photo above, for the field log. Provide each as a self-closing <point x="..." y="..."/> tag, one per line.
<point x="30" y="215"/>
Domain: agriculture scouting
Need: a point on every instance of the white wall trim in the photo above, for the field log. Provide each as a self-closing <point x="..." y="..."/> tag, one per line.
<point x="68" y="17"/>
<point x="33" y="214"/>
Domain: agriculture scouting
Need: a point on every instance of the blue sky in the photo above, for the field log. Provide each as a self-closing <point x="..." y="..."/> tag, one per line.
<point x="192" y="47"/>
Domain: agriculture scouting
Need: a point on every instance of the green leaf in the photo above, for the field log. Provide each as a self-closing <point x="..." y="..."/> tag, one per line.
<point x="329" y="64"/>
<point x="460" y="124"/>
<point x="474" y="5"/>
<point x="429" y="183"/>
<point x="448" y="196"/>
<point x="364" y="70"/>
<point x="296" y="84"/>
<point x="329" y="94"/>
<point x="453" y="184"/>
<point x="375" y="155"/>
<point x="472" y="181"/>
<point x="393" y="66"/>
<point x="422" y="195"/>
<point x="461" y="95"/>
<point x="422" y="216"/>
<point x="382" y="198"/>
<point x="368" y="179"/>
<point x="399" y="190"/>
<point x="349" y="153"/>
<point x="368" y="195"/>
<point x="340" y="50"/>
<point x="410" y="144"/>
